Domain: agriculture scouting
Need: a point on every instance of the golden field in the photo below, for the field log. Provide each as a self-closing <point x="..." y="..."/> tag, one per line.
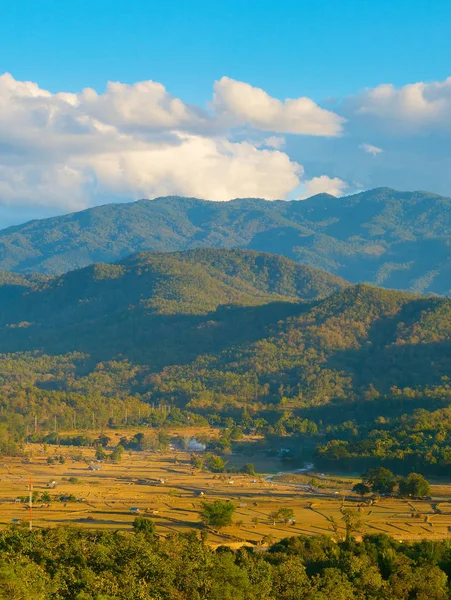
<point x="105" y="497"/>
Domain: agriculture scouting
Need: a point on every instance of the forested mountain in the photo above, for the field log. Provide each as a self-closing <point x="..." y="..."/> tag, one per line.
<point x="191" y="282"/>
<point x="220" y="333"/>
<point x="151" y="303"/>
<point x="384" y="237"/>
<point x="216" y="325"/>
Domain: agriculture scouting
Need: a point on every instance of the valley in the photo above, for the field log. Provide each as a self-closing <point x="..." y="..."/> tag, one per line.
<point x="166" y="488"/>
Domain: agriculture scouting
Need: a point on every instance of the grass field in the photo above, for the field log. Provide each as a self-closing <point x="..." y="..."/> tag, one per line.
<point x="106" y="496"/>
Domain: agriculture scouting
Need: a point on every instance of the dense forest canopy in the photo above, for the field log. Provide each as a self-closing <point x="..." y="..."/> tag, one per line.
<point x="209" y="335"/>
<point x="69" y="564"/>
<point x="384" y="237"/>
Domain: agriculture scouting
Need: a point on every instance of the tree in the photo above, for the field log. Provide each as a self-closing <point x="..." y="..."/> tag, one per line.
<point x="362" y="489"/>
<point x="235" y="433"/>
<point x="218" y="514"/>
<point x="273" y="516"/>
<point x="103" y="440"/>
<point x="248" y="469"/>
<point x="100" y="453"/>
<point x="116" y="455"/>
<point x="380" y="480"/>
<point x="144" y="525"/>
<point x="281" y="514"/>
<point x="286" y="514"/>
<point x="414" y="485"/>
<point x="352" y="522"/>
<point x="197" y="461"/>
<point x="215" y="463"/>
<point x="164" y="441"/>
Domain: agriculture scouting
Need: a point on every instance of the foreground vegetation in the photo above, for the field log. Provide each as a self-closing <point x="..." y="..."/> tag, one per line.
<point x="71" y="564"/>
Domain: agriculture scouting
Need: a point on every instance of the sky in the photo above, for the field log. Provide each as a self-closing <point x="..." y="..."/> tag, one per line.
<point x="115" y="101"/>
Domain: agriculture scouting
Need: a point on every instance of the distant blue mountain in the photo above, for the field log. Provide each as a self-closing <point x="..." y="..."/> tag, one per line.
<point x="388" y="238"/>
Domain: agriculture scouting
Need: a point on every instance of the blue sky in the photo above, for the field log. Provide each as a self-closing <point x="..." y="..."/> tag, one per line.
<point x="214" y="58"/>
<point x="290" y="48"/>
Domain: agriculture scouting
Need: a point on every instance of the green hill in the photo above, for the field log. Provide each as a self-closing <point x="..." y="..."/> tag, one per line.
<point x="384" y="237"/>
<point x="104" y="308"/>
<point x="237" y="315"/>
<point x="358" y="372"/>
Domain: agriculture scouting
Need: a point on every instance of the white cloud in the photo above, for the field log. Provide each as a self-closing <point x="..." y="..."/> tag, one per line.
<point x="275" y="141"/>
<point x="413" y="108"/>
<point x="201" y="167"/>
<point x="144" y="105"/>
<point x="323" y="185"/>
<point x="241" y="104"/>
<point x="67" y="150"/>
<point x="370" y="149"/>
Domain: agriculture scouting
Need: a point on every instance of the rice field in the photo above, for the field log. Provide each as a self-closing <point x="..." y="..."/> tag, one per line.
<point x="166" y="488"/>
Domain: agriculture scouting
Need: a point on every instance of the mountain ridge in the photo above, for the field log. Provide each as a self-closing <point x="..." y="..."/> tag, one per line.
<point x="381" y="236"/>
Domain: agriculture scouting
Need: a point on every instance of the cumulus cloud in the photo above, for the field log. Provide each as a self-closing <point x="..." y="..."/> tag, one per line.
<point x="370" y="149"/>
<point x="413" y="108"/>
<point x="143" y="106"/>
<point x="206" y="168"/>
<point x="323" y="185"/>
<point x="242" y="104"/>
<point x="66" y="150"/>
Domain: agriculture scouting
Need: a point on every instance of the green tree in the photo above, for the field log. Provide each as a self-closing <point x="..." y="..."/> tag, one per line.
<point x="196" y="461"/>
<point x="286" y="514"/>
<point x="248" y="469"/>
<point x="380" y="480"/>
<point x="414" y="485"/>
<point x="215" y="463"/>
<point x="103" y="440"/>
<point x="144" y="525"/>
<point x="116" y="455"/>
<point x="281" y="514"/>
<point x="100" y="453"/>
<point x="218" y="514"/>
<point x="362" y="489"/>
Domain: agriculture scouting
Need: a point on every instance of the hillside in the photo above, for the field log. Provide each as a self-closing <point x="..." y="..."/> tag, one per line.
<point x="95" y="309"/>
<point x="222" y="322"/>
<point x="220" y="333"/>
<point x="388" y="238"/>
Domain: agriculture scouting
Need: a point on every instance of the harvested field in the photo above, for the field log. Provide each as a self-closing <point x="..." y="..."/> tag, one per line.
<point x="105" y="497"/>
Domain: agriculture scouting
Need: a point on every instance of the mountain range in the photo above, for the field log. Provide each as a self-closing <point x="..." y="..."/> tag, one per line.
<point x="217" y="322"/>
<point x="157" y="298"/>
<point x="360" y="373"/>
<point x="384" y="237"/>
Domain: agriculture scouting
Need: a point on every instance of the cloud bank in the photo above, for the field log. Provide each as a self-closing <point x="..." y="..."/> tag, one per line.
<point x="67" y="151"/>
